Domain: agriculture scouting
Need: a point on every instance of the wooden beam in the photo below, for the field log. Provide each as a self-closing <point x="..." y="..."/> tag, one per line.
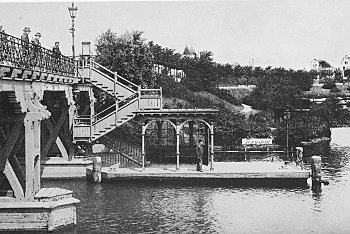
<point x="3" y="137"/>
<point x="13" y="180"/>
<point x="14" y="161"/>
<point x="29" y="157"/>
<point x="37" y="164"/>
<point x="2" y="177"/>
<point x="17" y="169"/>
<point x="59" y="143"/>
<point x="54" y="134"/>
<point x="10" y="143"/>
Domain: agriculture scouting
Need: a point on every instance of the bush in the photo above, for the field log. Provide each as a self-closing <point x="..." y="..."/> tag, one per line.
<point x="335" y="90"/>
<point x="224" y="96"/>
<point x="329" y="84"/>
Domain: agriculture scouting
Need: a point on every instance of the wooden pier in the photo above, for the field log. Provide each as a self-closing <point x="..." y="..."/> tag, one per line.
<point x="242" y="172"/>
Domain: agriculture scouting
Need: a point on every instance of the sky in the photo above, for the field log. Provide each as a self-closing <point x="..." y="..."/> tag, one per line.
<point x="277" y="33"/>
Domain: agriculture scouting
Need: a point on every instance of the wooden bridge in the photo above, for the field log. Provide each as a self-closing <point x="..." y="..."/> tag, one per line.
<point x="47" y="108"/>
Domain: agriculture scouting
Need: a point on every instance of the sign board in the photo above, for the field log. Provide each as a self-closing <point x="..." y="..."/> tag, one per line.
<point x="257" y="141"/>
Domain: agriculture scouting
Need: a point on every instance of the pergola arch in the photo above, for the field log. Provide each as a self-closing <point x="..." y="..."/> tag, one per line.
<point x="196" y="120"/>
<point x="178" y="118"/>
<point x="154" y="121"/>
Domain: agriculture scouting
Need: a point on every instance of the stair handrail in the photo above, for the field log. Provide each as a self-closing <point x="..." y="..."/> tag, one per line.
<point x="114" y="76"/>
<point x="135" y="87"/>
<point x="105" y="110"/>
<point x="122" y="153"/>
<point x="94" y="121"/>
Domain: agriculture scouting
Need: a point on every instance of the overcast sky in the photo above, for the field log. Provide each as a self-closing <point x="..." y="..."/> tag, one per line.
<point x="272" y="32"/>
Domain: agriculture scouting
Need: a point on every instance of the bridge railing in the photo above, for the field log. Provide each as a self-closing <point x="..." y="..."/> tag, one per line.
<point x="16" y="53"/>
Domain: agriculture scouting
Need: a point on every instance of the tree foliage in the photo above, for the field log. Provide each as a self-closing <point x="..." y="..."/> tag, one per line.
<point x="128" y="54"/>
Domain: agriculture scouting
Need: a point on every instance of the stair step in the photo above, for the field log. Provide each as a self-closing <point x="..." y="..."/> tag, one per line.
<point x="93" y="81"/>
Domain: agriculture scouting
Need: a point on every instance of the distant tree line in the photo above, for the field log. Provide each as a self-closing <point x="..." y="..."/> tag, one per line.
<point x="133" y="57"/>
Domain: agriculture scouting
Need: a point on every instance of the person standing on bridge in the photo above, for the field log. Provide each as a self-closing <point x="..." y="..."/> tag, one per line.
<point x="25" y="45"/>
<point x="56" y="54"/>
<point x="36" y="48"/>
<point x="199" y="153"/>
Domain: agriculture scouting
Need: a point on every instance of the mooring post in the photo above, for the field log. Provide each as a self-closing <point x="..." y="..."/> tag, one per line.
<point x="316" y="162"/>
<point x="96" y="169"/>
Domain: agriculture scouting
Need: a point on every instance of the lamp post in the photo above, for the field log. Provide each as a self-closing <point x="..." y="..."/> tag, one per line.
<point x="287" y="117"/>
<point x="73" y="13"/>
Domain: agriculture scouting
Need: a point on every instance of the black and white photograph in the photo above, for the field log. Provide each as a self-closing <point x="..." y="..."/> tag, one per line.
<point x="184" y="117"/>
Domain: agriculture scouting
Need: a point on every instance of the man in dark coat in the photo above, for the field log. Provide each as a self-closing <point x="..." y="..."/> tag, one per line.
<point x="56" y="54"/>
<point x="25" y="46"/>
<point x="199" y="153"/>
<point x="25" y="38"/>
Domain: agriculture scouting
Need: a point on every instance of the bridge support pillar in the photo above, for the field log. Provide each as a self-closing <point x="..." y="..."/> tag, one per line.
<point x="32" y="123"/>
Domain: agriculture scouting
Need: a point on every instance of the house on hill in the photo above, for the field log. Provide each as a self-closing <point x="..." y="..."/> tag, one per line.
<point x="323" y="68"/>
<point x="189" y="52"/>
<point x="345" y="67"/>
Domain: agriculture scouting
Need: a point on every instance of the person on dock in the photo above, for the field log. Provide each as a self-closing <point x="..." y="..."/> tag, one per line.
<point x="199" y="153"/>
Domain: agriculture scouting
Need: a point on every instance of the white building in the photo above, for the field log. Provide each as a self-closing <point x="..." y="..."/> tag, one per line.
<point x="345" y="66"/>
<point x="323" y="68"/>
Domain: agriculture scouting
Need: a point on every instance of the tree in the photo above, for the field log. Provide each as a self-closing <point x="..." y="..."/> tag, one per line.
<point x="201" y="73"/>
<point x="127" y="54"/>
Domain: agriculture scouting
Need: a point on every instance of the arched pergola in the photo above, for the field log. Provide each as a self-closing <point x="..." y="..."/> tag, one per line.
<point x="178" y="118"/>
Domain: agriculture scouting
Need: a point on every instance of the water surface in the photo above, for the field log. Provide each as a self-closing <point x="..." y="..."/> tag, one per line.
<point x="156" y="207"/>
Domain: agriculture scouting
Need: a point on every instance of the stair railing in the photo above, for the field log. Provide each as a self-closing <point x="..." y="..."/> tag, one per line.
<point x="114" y="77"/>
<point x="150" y="99"/>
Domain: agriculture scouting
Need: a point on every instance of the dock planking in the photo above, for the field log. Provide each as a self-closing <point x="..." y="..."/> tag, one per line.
<point x="242" y="171"/>
<point x="52" y="194"/>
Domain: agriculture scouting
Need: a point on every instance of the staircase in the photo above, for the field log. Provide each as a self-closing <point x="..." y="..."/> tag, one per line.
<point x="128" y="147"/>
<point x="129" y="98"/>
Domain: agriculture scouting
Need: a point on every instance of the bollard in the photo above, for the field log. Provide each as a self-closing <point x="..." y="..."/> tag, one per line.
<point x="96" y="169"/>
<point x="316" y="162"/>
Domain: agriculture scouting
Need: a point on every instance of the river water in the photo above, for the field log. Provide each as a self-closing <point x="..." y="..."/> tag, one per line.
<point x="125" y="207"/>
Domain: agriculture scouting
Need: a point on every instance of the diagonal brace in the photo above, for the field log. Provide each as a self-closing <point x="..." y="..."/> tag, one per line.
<point x="10" y="143"/>
<point x="54" y="134"/>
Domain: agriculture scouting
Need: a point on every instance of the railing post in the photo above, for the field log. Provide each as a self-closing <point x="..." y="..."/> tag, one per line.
<point x="115" y="95"/>
<point x="161" y="99"/>
<point x="177" y="147"/>
<point x="139" y="98"/>
<point x="144" y="126"/>
<point x="211" y="147"/>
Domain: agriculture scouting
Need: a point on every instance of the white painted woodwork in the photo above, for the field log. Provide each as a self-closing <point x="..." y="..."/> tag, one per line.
<point x="137" y="99"/>
<point x="13" y="180"/>
<point x="61" y="148"/>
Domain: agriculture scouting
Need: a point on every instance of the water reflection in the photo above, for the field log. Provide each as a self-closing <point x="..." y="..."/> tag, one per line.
<point x="138" y="207"/>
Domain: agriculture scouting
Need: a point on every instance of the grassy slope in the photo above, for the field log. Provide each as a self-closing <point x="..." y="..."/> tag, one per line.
<point x="318" y="90"/>
<point x="173" y="102"/>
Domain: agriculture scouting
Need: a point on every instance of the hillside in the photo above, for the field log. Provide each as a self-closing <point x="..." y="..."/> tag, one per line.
<point x="173" y="102"/>
<point x="176" y="95"/>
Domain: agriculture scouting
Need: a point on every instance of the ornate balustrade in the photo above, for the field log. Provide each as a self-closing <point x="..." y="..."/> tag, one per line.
<point x="15" y="53"/>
